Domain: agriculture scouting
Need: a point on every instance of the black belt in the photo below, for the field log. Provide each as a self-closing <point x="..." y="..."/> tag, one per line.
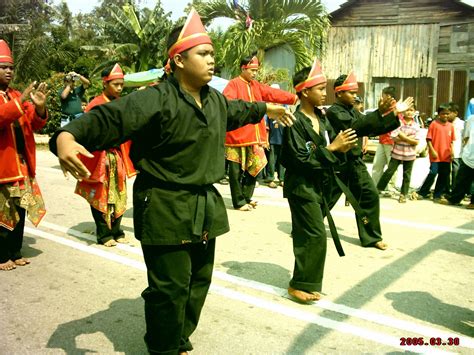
<point x="355" y="205"/>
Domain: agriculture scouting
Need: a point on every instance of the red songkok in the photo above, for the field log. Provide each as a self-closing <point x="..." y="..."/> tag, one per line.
<point x="349" y="84"/>
<point x="192" y="35"/>
<point x="5" y="53"/>
<point x="315" y="77"/>
<point x="253" y="64"/>
<point x="115" y="73"/>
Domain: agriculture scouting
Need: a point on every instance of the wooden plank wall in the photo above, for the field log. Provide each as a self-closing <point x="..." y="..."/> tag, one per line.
<point x="382" y="12"/>
<point x="382" y="51"/>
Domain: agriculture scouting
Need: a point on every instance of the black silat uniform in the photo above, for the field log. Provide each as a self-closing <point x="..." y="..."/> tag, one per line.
<point x="178" y="149"/>
<point x="353" y="171"/>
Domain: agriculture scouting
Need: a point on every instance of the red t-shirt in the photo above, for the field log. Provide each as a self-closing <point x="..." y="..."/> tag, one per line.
<point x="441" y="136"/>
<point x="385" y="138"/>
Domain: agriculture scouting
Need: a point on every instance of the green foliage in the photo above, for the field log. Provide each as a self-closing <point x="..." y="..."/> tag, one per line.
<point x="55" y="83"/>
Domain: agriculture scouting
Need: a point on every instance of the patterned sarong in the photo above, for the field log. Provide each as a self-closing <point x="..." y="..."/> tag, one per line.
<point x="21" y="194"/>
<point x="110" y="195"/>
<point x="251" y="158"/>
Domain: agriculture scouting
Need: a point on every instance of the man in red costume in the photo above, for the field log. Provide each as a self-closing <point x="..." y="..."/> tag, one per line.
<point x="19" y="192"/>
<point x="106" y="189"/>
<point x="245" y="146"/>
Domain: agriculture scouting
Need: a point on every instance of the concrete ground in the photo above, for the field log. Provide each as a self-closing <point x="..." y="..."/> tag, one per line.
<point x="77" y="297"/>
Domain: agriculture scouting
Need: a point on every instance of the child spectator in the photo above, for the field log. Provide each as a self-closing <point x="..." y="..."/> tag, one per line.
<point x="405" y="140"/>
<point x="465" y="176"/>
<point x="458" y="125"/>
<point x="440" y="139"/>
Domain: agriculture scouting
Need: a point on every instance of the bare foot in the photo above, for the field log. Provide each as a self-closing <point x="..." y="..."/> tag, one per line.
<point x="245" y="207"/>
<point x="122" y="240"/>
<point x="183" y="353"/>
<point x="110" y="243"/>
<point x="253" y="204"/>
<point x="22" y="262"/>
<point x="7" y="266"/>
<point x="381" y="245"/>
<point x="303" y="296"/>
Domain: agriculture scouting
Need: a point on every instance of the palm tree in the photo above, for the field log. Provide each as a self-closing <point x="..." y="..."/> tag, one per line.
<point x="260" y="25"/>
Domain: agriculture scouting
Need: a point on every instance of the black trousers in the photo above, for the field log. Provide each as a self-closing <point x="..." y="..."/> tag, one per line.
<point x="309" y="244"/>
<point x="274" y="163"/>
<point x="392" y="168"/>
<point x="360" y="183"/>
<point x="462" y="185"/>
<point x="11" y="241"/>
<point x="179" y="277"/>
<point x="104" y="234"/>
<point x="442" y="170"/>
<point x="242" y="185"/>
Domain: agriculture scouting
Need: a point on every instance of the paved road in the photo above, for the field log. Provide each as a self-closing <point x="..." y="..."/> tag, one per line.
<point x="77" y="297"/>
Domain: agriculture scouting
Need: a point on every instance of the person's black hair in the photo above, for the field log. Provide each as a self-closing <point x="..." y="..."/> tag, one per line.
<point x="246" y="60"/>
<point x="453" y="107"/>
<point x="340" y="80"/>
<point x="301" y="76"/>
<point x="106" y="71"/>
<point x="442" y="107"/>
<point x="172" y="38"/>
<point x="390" y="90"/>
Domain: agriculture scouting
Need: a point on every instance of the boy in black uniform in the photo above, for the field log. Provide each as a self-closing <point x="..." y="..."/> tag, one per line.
<point x="178" y="131"/>
<point x="309" y="161"/>
<point x="353" y="171"/>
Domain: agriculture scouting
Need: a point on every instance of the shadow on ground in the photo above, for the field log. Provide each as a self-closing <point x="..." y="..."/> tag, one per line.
<point x="122" y="324"/>
<point x="422" y="305"/>
<point x="266" y="273"/>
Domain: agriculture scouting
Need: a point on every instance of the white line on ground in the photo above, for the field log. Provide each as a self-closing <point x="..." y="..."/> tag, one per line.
<point x="370" y="316"/>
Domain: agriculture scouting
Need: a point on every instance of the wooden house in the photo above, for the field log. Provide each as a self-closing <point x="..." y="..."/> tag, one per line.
<point x="424" y="48"/>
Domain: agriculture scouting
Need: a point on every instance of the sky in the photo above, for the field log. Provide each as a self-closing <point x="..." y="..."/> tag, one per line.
<point x="175" y="6"/>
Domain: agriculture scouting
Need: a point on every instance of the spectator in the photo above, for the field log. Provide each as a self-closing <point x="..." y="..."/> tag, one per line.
<point x="440" y="140"/>
<point x="465" y="176"/>
<point x="19" y="191"/>
<point x="72" y="96"/>
<point x="404" y="152"/>
<point x="458" y="125"/>
<point x="384" y="149"/>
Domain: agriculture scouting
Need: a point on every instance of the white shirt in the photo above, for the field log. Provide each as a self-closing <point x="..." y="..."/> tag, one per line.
<point x="458" y="125"/>
<point x="468" y="151"/>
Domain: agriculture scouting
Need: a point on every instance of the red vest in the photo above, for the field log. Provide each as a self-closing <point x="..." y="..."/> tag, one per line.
<point x="251" y="134"/>
<point x="11" y="110"/>
<point x="96" y="165"/>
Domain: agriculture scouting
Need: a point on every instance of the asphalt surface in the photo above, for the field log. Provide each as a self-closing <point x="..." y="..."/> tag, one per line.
<point x="77" y="297"/>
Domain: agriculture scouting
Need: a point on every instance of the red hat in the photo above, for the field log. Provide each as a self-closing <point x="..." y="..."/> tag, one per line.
<point x="5" y="53"/>
<point x="115" y="73"/>
<point x="349" y="84"/>
<point x="253" y="64"/>
<point x="192" y="35"/>
<point x="315" y="77"/>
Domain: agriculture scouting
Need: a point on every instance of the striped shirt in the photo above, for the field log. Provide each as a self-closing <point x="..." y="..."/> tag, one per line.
<point x="402" y="150"/>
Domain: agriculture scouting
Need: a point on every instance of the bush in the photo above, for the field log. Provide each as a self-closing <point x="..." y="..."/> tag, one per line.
<point x="55" y="83"/>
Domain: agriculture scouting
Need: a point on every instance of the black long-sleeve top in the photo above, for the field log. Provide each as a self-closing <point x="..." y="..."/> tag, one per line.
<point x="343" y="117"/>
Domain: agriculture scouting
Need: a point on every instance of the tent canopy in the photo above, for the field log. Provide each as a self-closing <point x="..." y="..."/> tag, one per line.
<point x="152" y="75"/>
